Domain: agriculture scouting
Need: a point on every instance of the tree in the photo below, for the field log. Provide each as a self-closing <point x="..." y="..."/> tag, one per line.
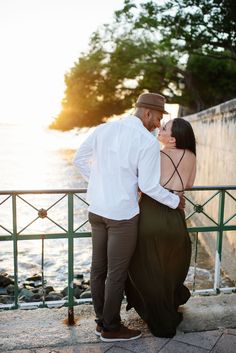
<point x="208" y="82"/>
<point x="107" y="80"/>
<point x="192" y="26"/>
<point x="184" y="49"/>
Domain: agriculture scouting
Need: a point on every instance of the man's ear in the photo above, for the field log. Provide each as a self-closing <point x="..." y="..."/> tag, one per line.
<point x="147" y="114"/>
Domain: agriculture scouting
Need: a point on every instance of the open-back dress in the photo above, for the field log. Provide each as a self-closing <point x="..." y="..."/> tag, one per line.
<point x="160" y="265"/>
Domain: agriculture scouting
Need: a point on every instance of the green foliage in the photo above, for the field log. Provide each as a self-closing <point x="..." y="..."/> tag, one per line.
<point x="209" y="81"/>
<point x="184" y="49"/>
<point x="192" y="25"/>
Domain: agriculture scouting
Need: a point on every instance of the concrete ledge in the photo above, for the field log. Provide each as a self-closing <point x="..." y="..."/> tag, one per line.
<point x="27" y="329"/>
<point x="213" y="112"/>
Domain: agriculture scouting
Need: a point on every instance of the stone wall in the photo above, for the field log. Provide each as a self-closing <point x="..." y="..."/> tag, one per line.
<point x="215" y="131"/>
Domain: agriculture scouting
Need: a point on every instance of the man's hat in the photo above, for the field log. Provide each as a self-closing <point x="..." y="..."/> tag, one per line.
<point x="152" y="101"/>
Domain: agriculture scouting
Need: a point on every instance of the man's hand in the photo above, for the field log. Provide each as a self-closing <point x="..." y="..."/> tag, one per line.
<point x="181" y="204"/>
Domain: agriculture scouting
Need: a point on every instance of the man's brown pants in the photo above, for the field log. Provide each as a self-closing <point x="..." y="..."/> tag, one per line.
<point x="113" y="245"/>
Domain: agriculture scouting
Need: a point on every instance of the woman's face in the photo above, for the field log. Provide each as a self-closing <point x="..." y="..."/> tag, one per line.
<point x="164" y="134"/>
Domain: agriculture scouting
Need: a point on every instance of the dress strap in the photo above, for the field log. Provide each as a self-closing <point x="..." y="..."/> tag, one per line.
<point x="175" y="169"/>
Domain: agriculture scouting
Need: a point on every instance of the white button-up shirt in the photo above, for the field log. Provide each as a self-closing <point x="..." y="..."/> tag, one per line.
<point x="116" y="159"/>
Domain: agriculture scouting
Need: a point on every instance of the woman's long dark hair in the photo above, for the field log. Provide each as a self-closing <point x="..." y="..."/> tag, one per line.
<point x="184" y="135"/>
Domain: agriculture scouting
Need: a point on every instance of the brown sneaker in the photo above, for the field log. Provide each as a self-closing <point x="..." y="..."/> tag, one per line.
<point x="124" y="334"/>
<point x="98" y="330"/>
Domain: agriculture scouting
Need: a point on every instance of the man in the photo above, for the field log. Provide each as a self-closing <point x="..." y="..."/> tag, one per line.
<point x="116" y="159"/>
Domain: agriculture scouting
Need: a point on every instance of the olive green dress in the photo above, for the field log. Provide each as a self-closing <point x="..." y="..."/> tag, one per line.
<point x="159" y="267"/>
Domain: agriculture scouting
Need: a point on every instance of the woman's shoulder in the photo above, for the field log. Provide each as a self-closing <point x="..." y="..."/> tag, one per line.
<point x="190" y="156"/>
<point x="176" y="153"/>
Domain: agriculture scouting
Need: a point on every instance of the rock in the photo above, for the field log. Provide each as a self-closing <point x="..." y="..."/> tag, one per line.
<point x="6" y="299"/>
<point x="33" y="281"/>
<point x="36" y="298"/>
<point x="66" y="298"/>
<point x="54" y="296"/>
<point x="10" y="289"/>
<point x="48" y="289"/>
<point x="79" y="276"/>
<point x="25" y="293"/>
<point x="85" y="286"/>
<point x="34" y="284"/>
<point x="77" y="282"/>
<point x="34" y="278"/>
<point x="86" y="294"/>
<point x="5" y="280"/>
<point x="77" y="291"/>
<point x="3" y="290"/>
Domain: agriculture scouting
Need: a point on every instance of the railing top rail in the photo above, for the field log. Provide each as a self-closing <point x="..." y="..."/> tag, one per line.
<point x="216" y="187"/>
<point x="84" y="190"/>
<point x="43" y="191"/>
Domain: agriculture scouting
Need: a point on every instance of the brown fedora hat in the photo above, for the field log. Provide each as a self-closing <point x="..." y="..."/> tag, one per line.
<point x="152" y="101"/>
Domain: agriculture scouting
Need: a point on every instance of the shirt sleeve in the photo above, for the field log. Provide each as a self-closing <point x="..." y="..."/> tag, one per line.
<point x="83" y="157"/>
<point x="149" y="176"/>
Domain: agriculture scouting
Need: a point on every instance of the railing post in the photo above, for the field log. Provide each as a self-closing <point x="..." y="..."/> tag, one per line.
<point x="219" y="241"/>
<point x="71" y="320"/>
<point x="195" y="262"/>
<point x="15" y="250"/>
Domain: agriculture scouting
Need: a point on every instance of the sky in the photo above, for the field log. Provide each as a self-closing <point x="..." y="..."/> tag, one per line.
<point x="40" y="40"/>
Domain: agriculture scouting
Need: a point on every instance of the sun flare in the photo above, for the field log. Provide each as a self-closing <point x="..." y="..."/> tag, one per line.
<point x="40" y="41"/>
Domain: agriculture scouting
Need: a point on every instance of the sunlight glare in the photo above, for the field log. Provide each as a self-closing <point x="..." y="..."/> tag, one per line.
<point x="40" y="41"/>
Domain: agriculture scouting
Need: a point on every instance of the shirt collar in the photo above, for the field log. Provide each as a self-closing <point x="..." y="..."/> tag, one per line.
<point x="134" y="120"/>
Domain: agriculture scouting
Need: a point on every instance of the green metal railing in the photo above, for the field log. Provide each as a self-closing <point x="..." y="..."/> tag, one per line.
<point x="14" y="233"/>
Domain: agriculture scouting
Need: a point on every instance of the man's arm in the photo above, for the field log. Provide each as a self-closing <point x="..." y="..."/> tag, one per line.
<point x="149" y="177"/>
<point x="83" y="157"/>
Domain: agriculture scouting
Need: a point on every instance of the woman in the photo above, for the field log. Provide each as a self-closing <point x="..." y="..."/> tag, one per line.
<point x="162" y="257"/>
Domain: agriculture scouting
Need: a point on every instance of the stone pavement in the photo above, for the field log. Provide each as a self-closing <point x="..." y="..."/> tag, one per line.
<point x="217" y="341"/>
<point x="209" y="326"/>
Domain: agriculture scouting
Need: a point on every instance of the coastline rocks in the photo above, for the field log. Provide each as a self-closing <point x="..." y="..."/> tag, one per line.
<point x="32" y="290"/>
<point x="10" y="289"/>
<point x="5" y="280"/>
<point x="3" y="291"/>
<point x="54" y="296"/>
<point x="6" y="299"/>
<point x="25" y="295"/>
<point x="77" y="291"/>
<point x="33" y="281"/>
<point x="86" y="294"/>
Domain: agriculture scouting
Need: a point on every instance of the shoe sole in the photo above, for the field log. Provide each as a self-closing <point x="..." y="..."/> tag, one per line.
<point x="97" y="333"/>
<point x="119" y="339"/>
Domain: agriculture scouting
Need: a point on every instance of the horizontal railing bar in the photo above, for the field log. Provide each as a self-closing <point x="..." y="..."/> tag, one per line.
<point x="211" y="228"/>
<point x="217" y="187"/>
<point x="46" y="191"/>
<point x="49" y="304"/>
<point x="203" y="229"/>
<point x="46" y="236"/>
<point x="83" y="190"/>
<point x="88" y="234"/>
<point x="229" y="227"/>
<point x="213" y="291"/>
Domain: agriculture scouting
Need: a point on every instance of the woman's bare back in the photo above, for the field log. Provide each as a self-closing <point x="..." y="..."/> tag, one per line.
<point x="178" y="169"/>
